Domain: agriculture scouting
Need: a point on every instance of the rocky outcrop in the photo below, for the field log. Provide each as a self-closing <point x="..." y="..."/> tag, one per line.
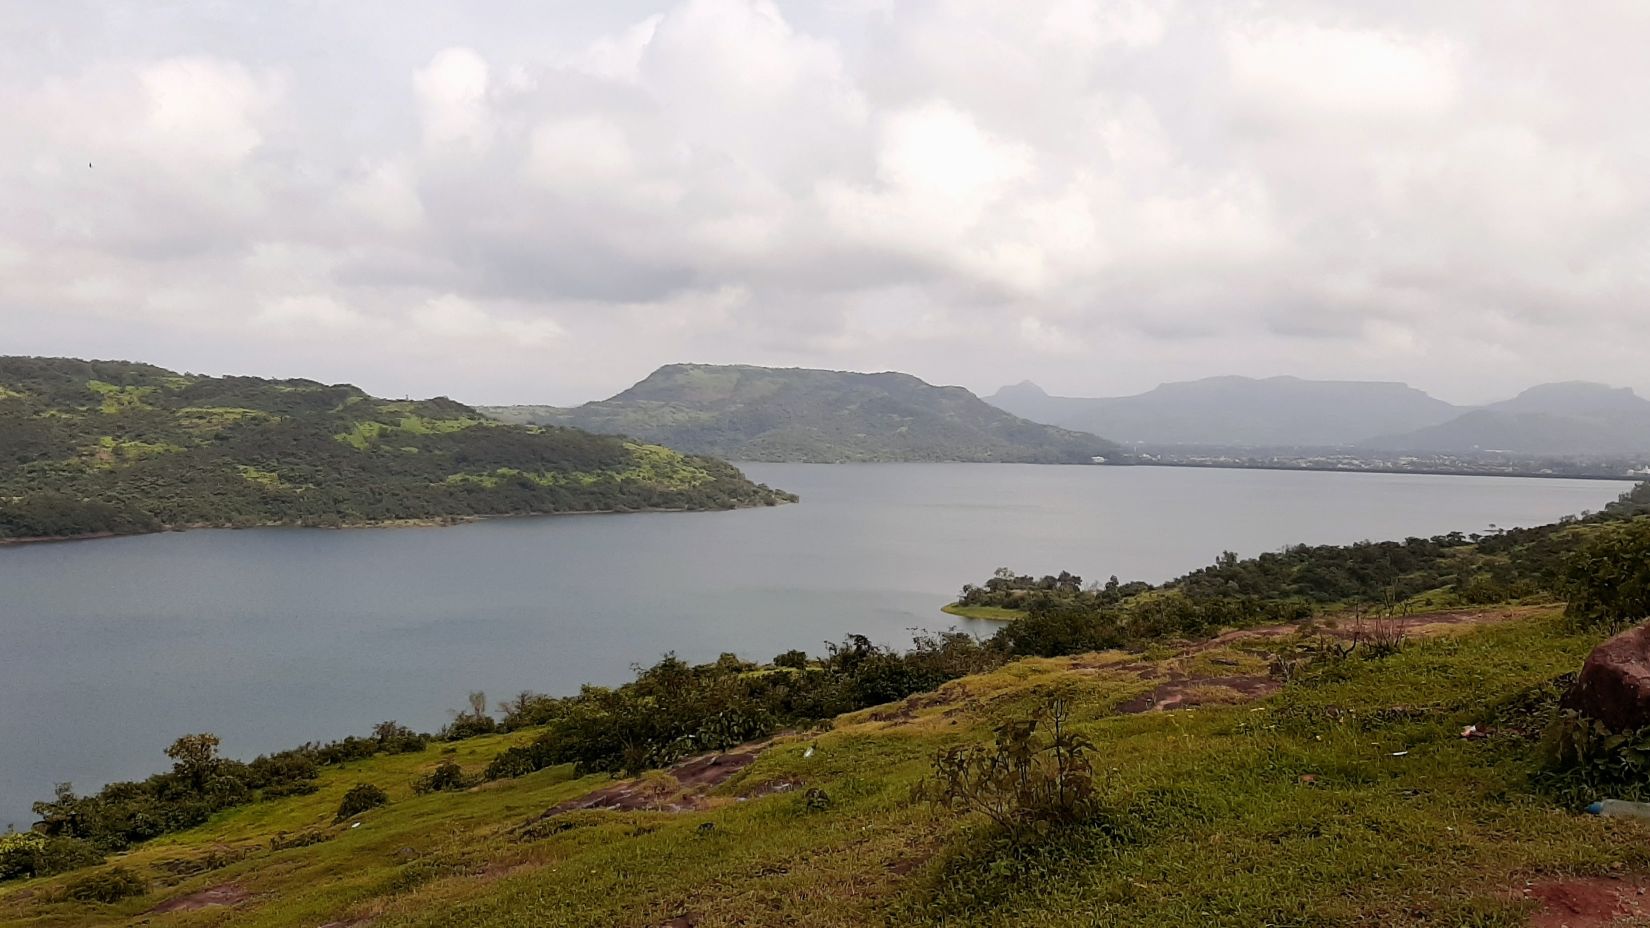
<point x="1614" y="684"/>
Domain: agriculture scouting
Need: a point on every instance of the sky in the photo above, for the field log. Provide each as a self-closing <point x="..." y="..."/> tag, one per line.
<point x="541" y="202"/>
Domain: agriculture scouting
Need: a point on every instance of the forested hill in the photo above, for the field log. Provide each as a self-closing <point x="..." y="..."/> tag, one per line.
<point x="96" y="447"/>
<point x="791" y="414"/>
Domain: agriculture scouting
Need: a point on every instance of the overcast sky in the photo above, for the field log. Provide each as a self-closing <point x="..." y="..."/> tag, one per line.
<point x="519" y="201"/>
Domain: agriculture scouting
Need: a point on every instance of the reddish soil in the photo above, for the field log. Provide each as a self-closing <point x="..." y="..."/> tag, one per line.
<point x="1589" y="902"/>
<point x="227" y="894"/>
<point x="694" y="777"/>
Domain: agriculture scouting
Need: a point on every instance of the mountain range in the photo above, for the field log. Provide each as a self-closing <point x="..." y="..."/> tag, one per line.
<point x="747" y="413"/>
<point x="1278" y="412"/>
<point x="110" y="447"/>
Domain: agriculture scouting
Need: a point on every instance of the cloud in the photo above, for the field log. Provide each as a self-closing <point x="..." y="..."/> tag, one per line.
<point x="1099" y="195"/>
<point x="1305" y="72"/>
<point x="452" y="99"/>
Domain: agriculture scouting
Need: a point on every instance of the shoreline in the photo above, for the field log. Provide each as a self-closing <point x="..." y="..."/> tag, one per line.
<point x="1417" y="471"/>
<point x="431" y="522"/>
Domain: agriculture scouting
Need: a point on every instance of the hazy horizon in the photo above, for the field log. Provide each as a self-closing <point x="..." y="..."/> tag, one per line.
<point x="534" y="203"/>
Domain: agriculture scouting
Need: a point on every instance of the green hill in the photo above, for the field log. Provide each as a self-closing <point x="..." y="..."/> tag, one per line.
<point x="794" y="414"/>
<point x="99" y="447"/>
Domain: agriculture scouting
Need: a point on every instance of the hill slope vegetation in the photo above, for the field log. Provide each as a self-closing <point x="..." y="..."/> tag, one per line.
<point x="101" y="447"/>
<point x="790" y="414"/>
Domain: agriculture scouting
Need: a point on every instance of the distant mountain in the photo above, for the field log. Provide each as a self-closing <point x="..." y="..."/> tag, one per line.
<point x="1552" y="419"/>
<point x="110" y="447"/>
<point x="1029" y="401"/>
<point x="793" y="414"/>
<point x="1238" y="411"/>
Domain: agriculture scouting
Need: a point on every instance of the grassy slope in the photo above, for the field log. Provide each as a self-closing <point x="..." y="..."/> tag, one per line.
<point x="1218" y="826"/>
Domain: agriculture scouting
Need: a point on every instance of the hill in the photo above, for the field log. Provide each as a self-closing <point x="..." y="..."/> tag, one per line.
<point x="108" y="447"/>
<point x="791" y="414"/>
<point x="1551" y="419"/>
<point x="1238" y="411"/>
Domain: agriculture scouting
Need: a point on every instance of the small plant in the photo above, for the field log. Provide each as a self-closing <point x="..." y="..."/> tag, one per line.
<point x="1584" y="755"/>
<point x="1035" y="776"/>
<point x="106" y="886"/>
<point x="360" y="798"/>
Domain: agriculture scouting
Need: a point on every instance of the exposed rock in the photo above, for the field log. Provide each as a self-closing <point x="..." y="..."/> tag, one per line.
<point x="1614" y="684"/>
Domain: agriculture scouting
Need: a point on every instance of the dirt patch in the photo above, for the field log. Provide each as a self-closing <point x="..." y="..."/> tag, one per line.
<point x="1187" y="692"/>
<point x="692" y="779"/>
<point x="1589" y="902"/>
<point x="226" y="895"/>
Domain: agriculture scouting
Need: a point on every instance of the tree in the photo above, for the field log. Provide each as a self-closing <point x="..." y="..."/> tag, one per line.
<point x="195" y="758"/>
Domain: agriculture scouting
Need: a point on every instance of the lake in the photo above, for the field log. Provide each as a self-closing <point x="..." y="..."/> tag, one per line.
<point x="273" y="637"/>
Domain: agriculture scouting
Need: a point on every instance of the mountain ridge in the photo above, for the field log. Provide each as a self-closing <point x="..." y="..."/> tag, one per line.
<point x="1238" y="411"/>
<point x="754" y="413"/>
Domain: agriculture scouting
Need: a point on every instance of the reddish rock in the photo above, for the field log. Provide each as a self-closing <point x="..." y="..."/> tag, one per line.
<point x="1614" y="684"/>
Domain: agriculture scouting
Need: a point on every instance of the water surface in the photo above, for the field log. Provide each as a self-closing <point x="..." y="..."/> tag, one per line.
<point x="272" y="637"/>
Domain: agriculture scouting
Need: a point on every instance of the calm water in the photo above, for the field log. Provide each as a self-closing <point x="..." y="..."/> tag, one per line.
<point x="273" y="637"/>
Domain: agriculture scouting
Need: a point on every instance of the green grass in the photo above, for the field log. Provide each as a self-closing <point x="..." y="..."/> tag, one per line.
<point x="1290" y="811"/>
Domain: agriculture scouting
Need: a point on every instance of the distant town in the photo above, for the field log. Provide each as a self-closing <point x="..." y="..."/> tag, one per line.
<point x="1487" y="463"/>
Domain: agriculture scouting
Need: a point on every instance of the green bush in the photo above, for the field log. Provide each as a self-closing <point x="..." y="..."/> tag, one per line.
<point x="106" y="886"/>
<point x="446" y="777"/>
<point x="360" y="798"/>
<point x="1607" y="578"/>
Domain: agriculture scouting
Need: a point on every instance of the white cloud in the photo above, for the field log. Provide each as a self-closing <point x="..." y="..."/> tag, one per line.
<point x="454" y="318"/>
<point x="452" y="97"/>
<point x="1303" y="71"/>
<point x="1101" y="195"/>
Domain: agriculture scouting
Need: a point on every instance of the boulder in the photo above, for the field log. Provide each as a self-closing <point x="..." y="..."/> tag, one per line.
<point x="1614" y="684"/>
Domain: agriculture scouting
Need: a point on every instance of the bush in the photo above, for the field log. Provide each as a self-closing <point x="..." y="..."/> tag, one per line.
<point x="1607" y="578"/>
<point x="1026" y="783"/>
<point x="106" y="886"/>
<point x="794" y="659"/>
<point x="360" y="798"/>
<point x="18" y="853"/>
<point x="446" y="777"/>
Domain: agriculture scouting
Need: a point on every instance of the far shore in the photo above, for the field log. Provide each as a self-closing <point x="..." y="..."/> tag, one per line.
<point x="434" y="522"/>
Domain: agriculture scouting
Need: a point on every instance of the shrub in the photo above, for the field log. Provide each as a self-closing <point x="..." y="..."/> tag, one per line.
<point x="446" y="777"/>
<point x="17" y="853"/>
<point x="1035" y="777"/>
<point x="1607" y="578"/>
<point x="106" y="886"/>
<point x="360" y="798"/>
<point x="794" y="659"/>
